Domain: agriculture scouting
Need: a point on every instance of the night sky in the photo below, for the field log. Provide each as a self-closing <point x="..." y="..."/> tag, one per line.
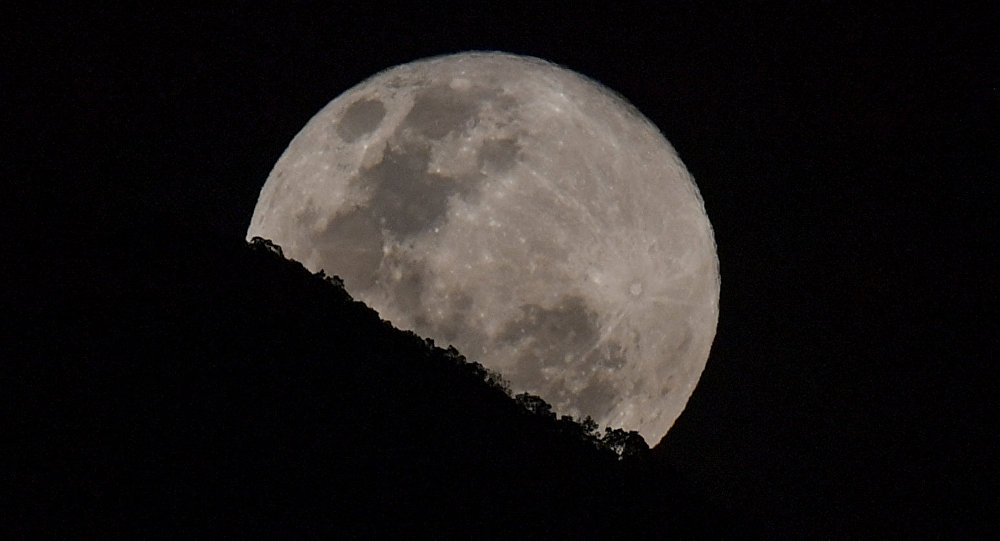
<point x="846" y="157"/>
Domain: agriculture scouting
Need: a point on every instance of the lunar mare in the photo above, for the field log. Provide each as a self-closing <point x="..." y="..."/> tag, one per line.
<point x="523" y="213"/>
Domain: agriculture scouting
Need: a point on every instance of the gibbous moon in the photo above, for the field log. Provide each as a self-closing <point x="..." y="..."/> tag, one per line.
<point x="519" y="211"/>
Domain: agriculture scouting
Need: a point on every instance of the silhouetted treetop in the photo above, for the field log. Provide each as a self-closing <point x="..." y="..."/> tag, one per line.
<point x="265" y="245"/>
<point x="627" y="445"/>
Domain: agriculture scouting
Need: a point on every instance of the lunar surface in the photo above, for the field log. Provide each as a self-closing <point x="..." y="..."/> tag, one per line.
<point x="519" y="211"/>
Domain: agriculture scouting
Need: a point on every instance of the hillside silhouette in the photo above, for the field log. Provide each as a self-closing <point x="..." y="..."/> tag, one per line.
<point x="173" y="386"/>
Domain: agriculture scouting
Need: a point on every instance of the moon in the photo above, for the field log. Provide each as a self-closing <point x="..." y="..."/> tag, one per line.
<point x="523" y="213"/>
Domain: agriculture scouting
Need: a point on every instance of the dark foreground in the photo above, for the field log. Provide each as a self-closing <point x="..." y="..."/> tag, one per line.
<point x="169" y="387"/>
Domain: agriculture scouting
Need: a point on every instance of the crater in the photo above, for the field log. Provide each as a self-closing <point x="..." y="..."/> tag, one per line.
<point x="407" y="197"/>
<point x="360" y="119"/>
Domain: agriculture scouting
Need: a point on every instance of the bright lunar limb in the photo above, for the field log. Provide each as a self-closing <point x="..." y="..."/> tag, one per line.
<point x="520" y="211"/>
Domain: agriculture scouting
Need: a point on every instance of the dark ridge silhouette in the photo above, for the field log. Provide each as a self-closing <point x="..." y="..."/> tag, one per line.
<point x="175" y="387"/>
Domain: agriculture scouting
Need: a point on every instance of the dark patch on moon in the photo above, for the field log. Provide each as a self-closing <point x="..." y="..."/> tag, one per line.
<point x="597" y="398"/>
<point x="461" y="302"/>
<point x="569" y="322"/>
<point x="361" y="118"/>
<point x="350" y="246"/>
<point x="498" y="156"/>
<point x="407" y="198"/>
<point x="568" y="329"/>
<point x="439" y="110"/>
<point x="567" y="338"/>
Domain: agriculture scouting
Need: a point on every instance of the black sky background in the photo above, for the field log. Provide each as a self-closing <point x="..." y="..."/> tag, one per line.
<point x="846" y="157"/>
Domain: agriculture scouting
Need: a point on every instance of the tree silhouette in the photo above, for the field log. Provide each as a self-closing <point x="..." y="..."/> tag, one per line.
<point x="589" y="425"/>
<point x="627" y="445"/>
<point x="535" y="405"/>
<point x="260" y="244"/>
